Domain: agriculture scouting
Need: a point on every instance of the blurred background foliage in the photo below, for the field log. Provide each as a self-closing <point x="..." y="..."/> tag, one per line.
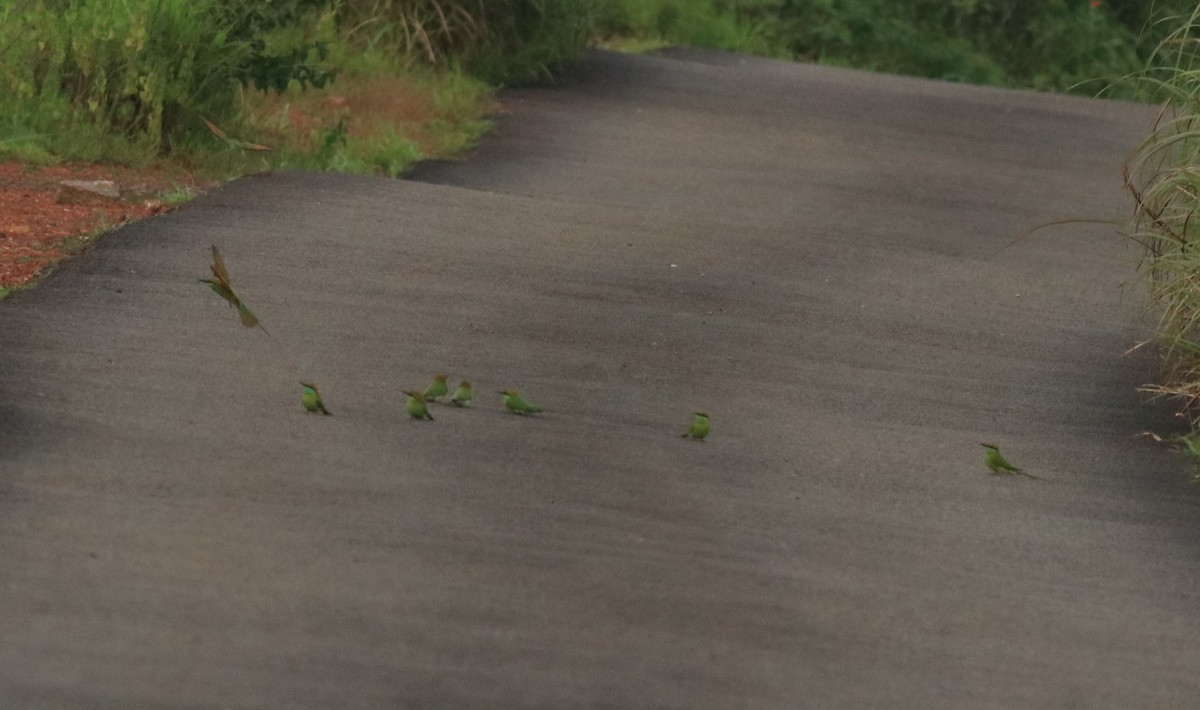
<point x="137" y="80"/>
<point x="1083" y="46"/>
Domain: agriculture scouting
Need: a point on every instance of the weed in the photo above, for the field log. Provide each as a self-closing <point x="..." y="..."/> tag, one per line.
<point x="499" y="41"/>
<point x="178" y="196"/>
<point x="134" y="81"/>
<point x="1064" y="45"/>
<point x="1163" y="178"/>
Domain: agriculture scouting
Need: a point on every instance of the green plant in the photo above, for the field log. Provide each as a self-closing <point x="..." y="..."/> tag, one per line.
<point x="498" y="40"/>
<point x="745" y="26"/>
<point x="1064" y="45"/>
<point x="178" y="196"/>
<point x="1163" y="178"/>
<point x="128" y="77"/>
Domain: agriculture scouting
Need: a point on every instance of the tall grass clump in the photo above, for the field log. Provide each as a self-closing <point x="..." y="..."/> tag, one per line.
<point x="123" y="79"/>
<point x="499" y="41"/>
<point x="1163" y="176"/>
<point x="1051" y="44"/>
<point x="136" y="80"/>
<point x="732" y="25"/>
<point x="1063" y="45"/>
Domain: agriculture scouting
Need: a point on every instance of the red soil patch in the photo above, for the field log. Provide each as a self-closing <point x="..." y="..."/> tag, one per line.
<point x="36" y="230"/>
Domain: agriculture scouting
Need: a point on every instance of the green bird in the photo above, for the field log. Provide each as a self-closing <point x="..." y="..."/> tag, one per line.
<point x="221" y="286"/>
<point x="416" y="406"/>
<point x="437" y="388"/>
<point x="1000" y="466"/>
<point x="462" y="395"/>
<point x="699" y="428"/>
<point x="311" y="398"/>
<point x="516" y="405"/>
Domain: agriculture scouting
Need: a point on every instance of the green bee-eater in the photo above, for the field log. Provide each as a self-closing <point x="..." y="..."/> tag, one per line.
<point x="437" y="388"/>
<point x="1000" y="466"/>
<point x="311" y="398"/>
<point x="416" y="406"/>
<point x="462" y="395"/>
<point x="220" y="285"/>
<point x="699" y="428"/>
<point x="516" y="405"/>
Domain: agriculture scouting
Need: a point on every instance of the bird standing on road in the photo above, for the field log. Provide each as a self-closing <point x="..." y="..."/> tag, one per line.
<point x="220" y="285"/>
<point x="311" y="398"/>
<point x="462" y="395"/>
<point x="516" y="405"/>
<point x="437" y="388"/>
<point x="699" y="428"/>
<point x="1000" y="466"/>
<point x="416" y="406"/>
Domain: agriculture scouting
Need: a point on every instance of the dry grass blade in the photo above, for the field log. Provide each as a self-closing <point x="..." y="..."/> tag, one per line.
<point x="418" y="30"/>
<point x="1055" y="223"/>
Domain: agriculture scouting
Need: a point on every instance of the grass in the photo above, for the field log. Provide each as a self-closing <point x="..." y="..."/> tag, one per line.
<point x="1058" y="45"/>
<point x="380" y="121"/>
<point x="228" y="88"/>
<point x="6" y="291"/>
<point x="643" y="25"/>
<point x="631" y="44"/>
<point x="177" y="196"/>
<point x="77" y="243"/>
<point x="1163" y="178"/>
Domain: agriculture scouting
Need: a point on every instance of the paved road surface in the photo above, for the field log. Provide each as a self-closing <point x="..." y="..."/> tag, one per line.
<point x="806" y="253"/>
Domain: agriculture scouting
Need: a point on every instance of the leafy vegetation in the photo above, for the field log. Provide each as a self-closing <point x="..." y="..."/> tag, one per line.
<point x="239" y="85"/>
<point x="499" y="41"/>
<point x="1065" y="45"/>
<point x="236" y="85"/>
<point x="1164" y="179"/>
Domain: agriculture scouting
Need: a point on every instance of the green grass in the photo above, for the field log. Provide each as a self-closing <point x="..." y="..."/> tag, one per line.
<point x="498" y="41"/>
<point x="120" y="80"/>
<point x="1059" y="45"/>
<point x="632" y="44"/>
<point x="177" y="196"/>
<point x="375" y="119"/>
<point x="74" y="244"/>
<point x="636" y="25"/>
<point x="141" y="81"/>
<point x="1163" y="177"/>
<point x="6" y="291"/>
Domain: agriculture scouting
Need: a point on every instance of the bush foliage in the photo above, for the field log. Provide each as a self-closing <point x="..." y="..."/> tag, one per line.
<point x="1164" y="179"/>
<point x="131" y="79"/>
<point x="1080" y="45"/>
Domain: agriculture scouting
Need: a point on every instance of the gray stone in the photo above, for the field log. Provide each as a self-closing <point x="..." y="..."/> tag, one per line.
<point x="88" y="191"/>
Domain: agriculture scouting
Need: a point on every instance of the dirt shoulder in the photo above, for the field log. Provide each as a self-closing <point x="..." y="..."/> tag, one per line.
<point x="43" y="221"/>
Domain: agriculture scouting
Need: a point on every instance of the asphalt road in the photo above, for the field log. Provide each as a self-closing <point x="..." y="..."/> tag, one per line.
<point x="809" y="254"/>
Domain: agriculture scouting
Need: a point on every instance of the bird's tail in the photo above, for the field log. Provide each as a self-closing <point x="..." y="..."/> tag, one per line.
<point x="248" y="319"/>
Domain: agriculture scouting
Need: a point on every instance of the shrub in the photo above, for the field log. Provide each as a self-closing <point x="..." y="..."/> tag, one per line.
<point x="497" y="40"/>
<point x="138" y="72"/>
<point x="1164" y="179"/>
